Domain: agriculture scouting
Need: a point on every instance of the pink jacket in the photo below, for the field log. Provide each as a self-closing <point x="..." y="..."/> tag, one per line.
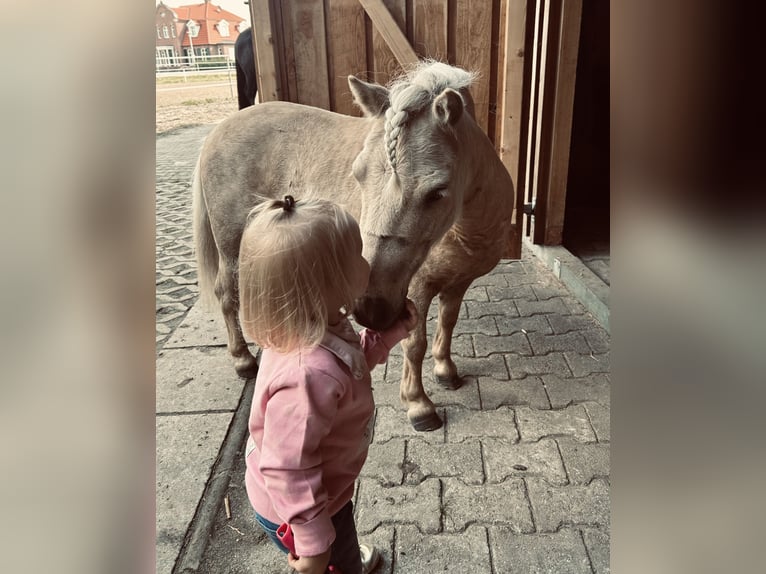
<point x="309" y="430"/>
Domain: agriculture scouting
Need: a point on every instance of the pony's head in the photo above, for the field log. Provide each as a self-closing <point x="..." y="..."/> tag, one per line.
<point x="411" y="177"/>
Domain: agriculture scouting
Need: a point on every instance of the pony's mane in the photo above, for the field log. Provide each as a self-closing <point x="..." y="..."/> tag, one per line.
<point x="414" y="91"/>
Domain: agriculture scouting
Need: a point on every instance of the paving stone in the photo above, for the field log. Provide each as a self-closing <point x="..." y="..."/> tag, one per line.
<point x="384" y="462"/>
<point x="418" y="505"/>
<point x="393" y="423"/>
<point x="597" y="543"/>
<point x="564" y="392"/>
<point x="574" y="306"/>
<point x="598" y="340"/>
<point x="497" y="293"/>
<point x="566" y="323"/>
<point x="497" y="504"/>
<point x="542" y="459"/>
<point x="196" y="379"/>
<point x="516" y="343"/>
<point x="528" y="391"/>
<point x="476" y="293"/>
<point x="599" y="418"/>
<point x="519" y="366"/>
<point x="382" y="538"/>
<point x="534" y="323"/>
<point x="543" y="344"/>
<point x="485" y="325"/>
<point x="561" y="553"/>
<point x="461" y="461"/>
<point x="386" y="394"/>
<point x="545" y="290"/>
<point x="420" y="554"/>
<point x="583" y="365"/>
<point x="465" y="424"/>
<point x="201" y="327"/>
<point x="480" y="309"/>
<point x="187" y="447"/>
<point x="554" y="506"/>
<point x="497" y="277"/>
<point x="584" y="462"/>
<point x="492" y="366"/>
<point x="467" y="395"/>
<point x="461" y="346"/>
<point x="572" y="421"/>
<point x="554" y="306"/>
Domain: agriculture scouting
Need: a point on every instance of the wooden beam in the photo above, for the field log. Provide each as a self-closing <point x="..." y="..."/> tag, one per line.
<point x="384" y="66"/>
<point x="563" y="111"/>
<point x="266" y="63"/>
<point x="389" y="30"/>
<point x="511" y="105"/>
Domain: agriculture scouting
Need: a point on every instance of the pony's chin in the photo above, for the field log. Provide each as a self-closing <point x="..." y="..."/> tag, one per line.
<point x="374" y="313"/>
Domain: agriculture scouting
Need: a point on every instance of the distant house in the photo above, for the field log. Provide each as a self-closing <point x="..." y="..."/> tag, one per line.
<point x="195" y="33"/>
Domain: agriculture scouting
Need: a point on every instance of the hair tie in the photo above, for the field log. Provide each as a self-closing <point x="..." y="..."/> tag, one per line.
<point x="289" y="203"/>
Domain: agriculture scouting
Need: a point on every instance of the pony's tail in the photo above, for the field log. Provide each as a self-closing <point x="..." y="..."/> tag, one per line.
<point x="204" y="244"/>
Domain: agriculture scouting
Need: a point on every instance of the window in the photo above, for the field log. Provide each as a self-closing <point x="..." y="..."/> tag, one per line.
<point x="223" y="28"/>
<point x="173" y="31"/>
<point x="165" y="33"/>
<point x="159" y="34"/>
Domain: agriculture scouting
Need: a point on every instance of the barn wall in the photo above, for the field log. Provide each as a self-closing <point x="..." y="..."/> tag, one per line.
<point x="309" y="47"/>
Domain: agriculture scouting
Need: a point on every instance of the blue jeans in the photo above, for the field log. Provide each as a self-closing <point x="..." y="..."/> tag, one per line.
<point x="345" y="550"/>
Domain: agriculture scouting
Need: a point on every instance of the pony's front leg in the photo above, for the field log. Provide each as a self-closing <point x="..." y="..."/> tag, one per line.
<point x="227" y="291"/>
<point x="420" y="409"/>
<point x="445" y="371"/>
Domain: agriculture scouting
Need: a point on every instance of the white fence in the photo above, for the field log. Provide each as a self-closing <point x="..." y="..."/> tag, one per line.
<point x="198" y="64"/>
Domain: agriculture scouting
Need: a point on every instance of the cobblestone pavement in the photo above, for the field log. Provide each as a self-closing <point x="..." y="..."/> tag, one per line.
<point x="176" y="275"/>
<point x="517" y="480"/>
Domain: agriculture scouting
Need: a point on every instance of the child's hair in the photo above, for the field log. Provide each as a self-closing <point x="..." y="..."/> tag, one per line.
<point x="293" y="254"/>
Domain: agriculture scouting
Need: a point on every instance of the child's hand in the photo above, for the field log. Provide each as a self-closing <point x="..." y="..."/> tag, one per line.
<point x="410" y="315"/>
<point x="310" y="564"/>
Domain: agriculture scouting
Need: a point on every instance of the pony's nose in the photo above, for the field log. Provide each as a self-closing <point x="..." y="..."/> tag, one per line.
<point x="374" y="312"/>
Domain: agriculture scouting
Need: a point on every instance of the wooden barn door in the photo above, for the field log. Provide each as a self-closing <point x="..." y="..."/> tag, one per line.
<point x="306" y="49"/>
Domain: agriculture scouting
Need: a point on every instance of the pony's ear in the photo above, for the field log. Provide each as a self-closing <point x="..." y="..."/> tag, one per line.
<point x="448" y="107"/>
<point x="372" y="98"/>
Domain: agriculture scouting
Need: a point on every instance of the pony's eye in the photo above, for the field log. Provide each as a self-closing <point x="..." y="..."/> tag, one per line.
<point x="435" y="195"/>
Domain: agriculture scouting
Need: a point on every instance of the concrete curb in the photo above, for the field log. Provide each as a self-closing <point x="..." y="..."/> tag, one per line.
<point x="198" y="534"/>
<point x="585" y="285"/>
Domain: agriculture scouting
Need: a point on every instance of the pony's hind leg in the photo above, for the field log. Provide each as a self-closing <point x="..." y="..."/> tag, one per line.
<point x="445" y="371"/>
<point x="226" y="290"/>
<point x="420" y="410"/>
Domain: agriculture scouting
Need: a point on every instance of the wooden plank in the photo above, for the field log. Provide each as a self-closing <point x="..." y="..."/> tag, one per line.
<point x="532" y="169"/>
<point x="283" y="9"/>
<point x="385" y="66"/>
<point x="429" y="28"/>
<point x="513" y="88"/>
<point x="390" y="31"/>
<point x="473" y="46"/>
<point x="563" y="110"/>
<point x="511" y="131"/>
<point x="310" y="50"/>
<point x="346" y="51"/>
<point x="269" y="88"/>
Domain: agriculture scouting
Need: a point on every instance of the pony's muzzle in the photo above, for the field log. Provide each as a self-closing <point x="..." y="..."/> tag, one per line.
<point x="375" y="313"/>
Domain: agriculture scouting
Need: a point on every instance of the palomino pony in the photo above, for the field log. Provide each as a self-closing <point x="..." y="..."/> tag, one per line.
<point x="431" y="196"/>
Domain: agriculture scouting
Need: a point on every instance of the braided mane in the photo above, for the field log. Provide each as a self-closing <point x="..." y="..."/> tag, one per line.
<point x="413" y="92"/>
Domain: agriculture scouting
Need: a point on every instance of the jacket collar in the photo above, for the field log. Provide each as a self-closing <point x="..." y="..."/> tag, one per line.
<point x="343" y="342"/>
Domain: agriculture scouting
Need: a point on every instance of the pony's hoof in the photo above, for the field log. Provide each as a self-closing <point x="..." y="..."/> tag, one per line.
<point x="247" y="368"/>
<point x="425" y="423"/>
<point x="449" y="383"/>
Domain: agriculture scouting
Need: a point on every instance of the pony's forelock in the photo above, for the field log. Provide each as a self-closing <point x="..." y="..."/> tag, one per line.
<point x="414" y="91"/>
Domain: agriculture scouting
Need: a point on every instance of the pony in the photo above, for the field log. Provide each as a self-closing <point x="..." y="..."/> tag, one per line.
<point x="244" y="61"/>
<point x="432" y="198"/>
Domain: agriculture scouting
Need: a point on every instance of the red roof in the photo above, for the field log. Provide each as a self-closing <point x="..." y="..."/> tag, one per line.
<point x="207" y="16"/>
